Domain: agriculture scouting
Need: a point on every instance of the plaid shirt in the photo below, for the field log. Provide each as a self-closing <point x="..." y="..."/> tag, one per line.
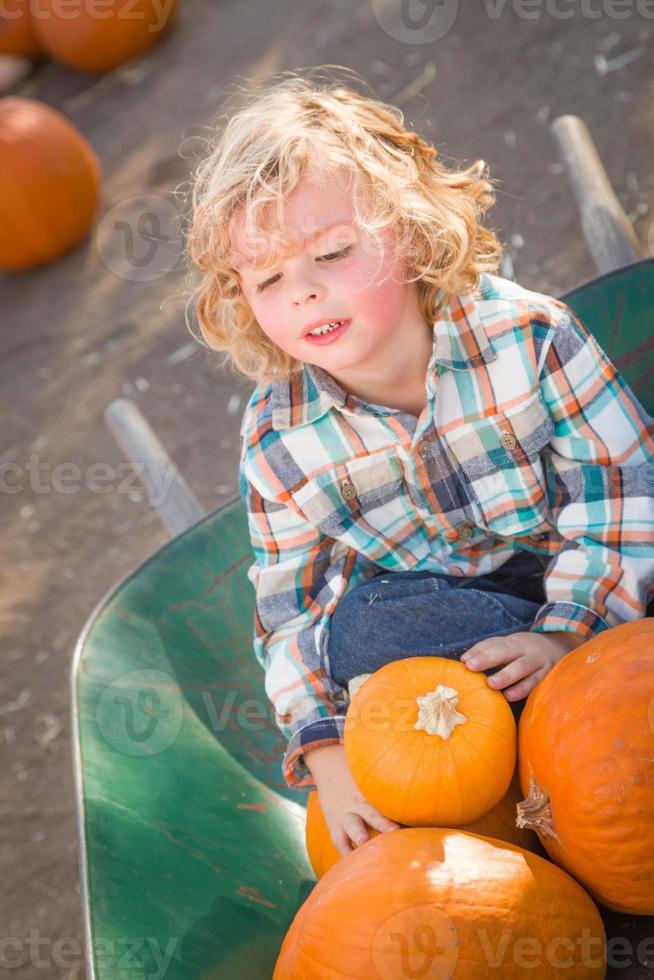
<point x="529" y="439"/>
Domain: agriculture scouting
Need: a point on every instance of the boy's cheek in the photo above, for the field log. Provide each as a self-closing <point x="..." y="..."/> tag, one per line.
<point x="271" y="323"/>
<point x="372" y="273"/>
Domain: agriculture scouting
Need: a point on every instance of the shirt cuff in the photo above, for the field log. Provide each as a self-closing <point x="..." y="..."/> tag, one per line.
<point x="568" y="617"/>
<point x="317" y="734"/>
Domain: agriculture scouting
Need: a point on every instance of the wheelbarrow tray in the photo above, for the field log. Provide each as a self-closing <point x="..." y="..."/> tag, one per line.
<point x="192" y="849"/>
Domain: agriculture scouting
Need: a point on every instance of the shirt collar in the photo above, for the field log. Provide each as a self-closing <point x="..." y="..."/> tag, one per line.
<point x="460" y="342"/>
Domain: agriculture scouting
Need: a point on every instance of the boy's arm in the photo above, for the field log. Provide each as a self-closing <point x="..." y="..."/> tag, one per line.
<point x="299" y="575"/>
<point x="600" y="476"/>
<point x="600" y="487"/>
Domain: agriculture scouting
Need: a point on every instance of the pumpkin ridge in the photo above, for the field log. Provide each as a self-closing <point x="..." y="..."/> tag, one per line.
<point x="304" y="958"/>
<point x="490" y="728"/>
<point x="478" y="755"/>
<point x="409" y="780"/>
<point x="373" y="761"/>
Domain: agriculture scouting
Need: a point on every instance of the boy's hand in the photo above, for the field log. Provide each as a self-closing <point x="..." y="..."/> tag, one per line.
<point x="345" y="809"/>
<point x="527" y="656"/>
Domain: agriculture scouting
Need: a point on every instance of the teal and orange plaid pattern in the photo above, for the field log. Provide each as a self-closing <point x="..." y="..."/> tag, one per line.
<point x="529" y="438"/>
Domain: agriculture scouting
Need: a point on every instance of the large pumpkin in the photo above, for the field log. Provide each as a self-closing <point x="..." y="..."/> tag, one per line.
<point x="434" y="903"/>
<point x="429" y="743"/>
<point x="498" y="822"/>
<point x="89" y="42"/>
<point x="586" y="750"/>
<point x="17" y="34"/>
<point x="49" y="184"/>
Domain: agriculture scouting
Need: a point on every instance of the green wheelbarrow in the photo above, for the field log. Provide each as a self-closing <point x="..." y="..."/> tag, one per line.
<point x="192" y="855"/>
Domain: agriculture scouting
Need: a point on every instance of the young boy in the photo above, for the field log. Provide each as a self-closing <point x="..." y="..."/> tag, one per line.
<point x="435" y="460"/>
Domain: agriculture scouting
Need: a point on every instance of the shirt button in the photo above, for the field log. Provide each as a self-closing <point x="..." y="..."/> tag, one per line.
<point x="465" y="532"/>
<point x="423" y="447"/>
<point x="508" y="441"/>
<point x="348" y="491"/>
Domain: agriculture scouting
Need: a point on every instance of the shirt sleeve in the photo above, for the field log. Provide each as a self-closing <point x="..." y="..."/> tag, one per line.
<point x="299" y="575"/>
<point x="600" y="477"/>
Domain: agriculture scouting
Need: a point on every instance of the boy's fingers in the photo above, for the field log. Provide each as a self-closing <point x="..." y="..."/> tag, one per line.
<point x="496" y="653"/>
<point x="355" y="828"/>
<point x="377" y="820"/>
<point x="526" y="685"/>
<point x="492" y="652"/>
<point x="519" y="691"/>
<point x="342" y="842"/>
<point x="516" y="671"/>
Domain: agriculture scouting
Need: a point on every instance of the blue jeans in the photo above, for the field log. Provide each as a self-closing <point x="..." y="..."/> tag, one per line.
<point x="395" y="615"/>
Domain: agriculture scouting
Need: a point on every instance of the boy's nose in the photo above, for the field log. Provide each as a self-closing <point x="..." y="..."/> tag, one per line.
<point x="303" y="284"/>
<point x="305" y="292"/>
<point x="302" y="298"/>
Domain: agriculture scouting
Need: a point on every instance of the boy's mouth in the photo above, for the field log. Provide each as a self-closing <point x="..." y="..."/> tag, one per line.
<point x="328" y="333"/>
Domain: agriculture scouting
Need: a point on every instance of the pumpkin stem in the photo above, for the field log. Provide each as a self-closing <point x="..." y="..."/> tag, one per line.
<point x="437" y="713"/>
<point x="535" y="813"/>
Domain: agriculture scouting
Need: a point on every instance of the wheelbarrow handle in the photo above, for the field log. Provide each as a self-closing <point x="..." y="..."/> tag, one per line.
<point x="609" y="234"/>
<point x="167" y="490"/>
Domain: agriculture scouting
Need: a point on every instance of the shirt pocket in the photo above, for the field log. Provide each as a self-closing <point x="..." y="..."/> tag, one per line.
<point x="355" y="496"/>
<point x="501" y="458"/>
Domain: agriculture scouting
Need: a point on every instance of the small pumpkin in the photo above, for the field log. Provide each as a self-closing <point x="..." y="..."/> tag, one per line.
<point x="87" y="42"/>
<point x="17" y="33"/>
<point x="49" y="184"/>
<point x="429" y="902"/>
<point x="429" y="743"/>
<point x="586" y="750"/>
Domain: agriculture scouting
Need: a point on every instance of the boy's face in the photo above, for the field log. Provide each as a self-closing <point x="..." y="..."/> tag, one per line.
<point x="359" y="282"/>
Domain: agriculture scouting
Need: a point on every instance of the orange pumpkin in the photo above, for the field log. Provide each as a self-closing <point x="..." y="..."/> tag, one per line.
<point x="49" y="184"/>
<point x="88" y="42"/>
<point x="17" y="34"/>
<point x="429" y="743"/>
<point x="586" y="750"/>
<point x="427" y="902"/>
<point x="498" y="822"/>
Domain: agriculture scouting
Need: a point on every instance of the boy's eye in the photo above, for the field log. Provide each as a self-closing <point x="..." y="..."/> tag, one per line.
<point x="321" y="258"/>
<point x="335" y="255"/>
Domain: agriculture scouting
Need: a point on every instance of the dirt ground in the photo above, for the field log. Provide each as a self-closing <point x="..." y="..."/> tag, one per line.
<point x="92" y="326"/>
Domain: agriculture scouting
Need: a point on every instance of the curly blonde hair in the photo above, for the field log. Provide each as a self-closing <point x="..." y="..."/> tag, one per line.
<point x="265" y="149"/>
